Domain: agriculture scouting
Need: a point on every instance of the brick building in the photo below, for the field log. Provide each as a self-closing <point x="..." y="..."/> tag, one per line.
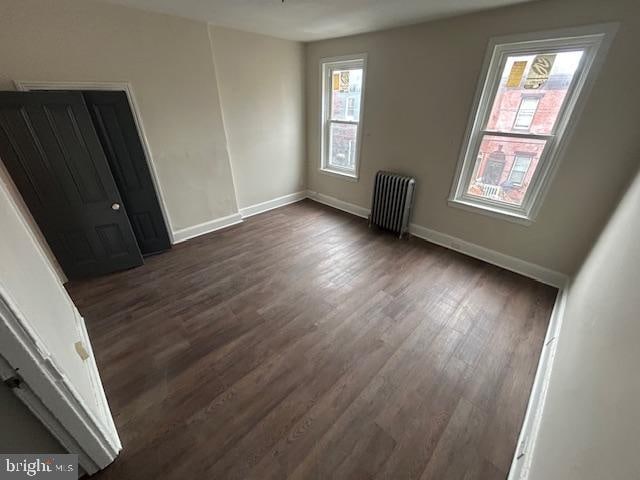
<point x="345" y="106"/>
<point x="506" y="165"/>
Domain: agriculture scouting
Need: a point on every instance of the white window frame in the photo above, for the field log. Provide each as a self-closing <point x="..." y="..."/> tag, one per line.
<point x="595" y="40"/>
<point x="327" y="65"/>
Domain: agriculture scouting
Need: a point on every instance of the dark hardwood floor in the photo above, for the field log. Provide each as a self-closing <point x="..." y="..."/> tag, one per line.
<point x="300" y="344"/>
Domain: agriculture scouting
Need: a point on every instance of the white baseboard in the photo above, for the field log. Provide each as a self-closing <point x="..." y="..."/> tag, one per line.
<point x="531" y="270"/>
<point x="339" y="204"/>
<point x="206" y="227"/>
<point x="528" y="269"/>
<point x="188" y="233"/>
<point x="271" y="204"/>
<point x="521" y="463"/>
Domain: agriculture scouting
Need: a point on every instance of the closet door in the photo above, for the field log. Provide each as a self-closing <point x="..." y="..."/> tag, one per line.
<point x="51" y="150"/>
<point x="117" y="131"/>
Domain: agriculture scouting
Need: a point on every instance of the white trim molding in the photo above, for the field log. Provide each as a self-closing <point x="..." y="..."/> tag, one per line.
<point x="63" y="410"/>
<point x="48" y="420"/>
<point x="94" y="376"/>
<point x="523" y="456"/>
<point x="339" y="204"/>
<point x="25" y="86"/>
<point x="271" y="204"/>
<point x="187" y="233"/>
<point x="513" y="264"/>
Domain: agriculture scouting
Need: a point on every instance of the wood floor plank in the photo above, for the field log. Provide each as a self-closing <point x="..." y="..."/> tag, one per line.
<point x="302" y="344"/>
<point x="458" y="449"/>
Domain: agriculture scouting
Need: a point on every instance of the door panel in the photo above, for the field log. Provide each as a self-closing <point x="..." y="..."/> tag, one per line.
<point x="16" y="137"/>
<point x="83" y="170"/>
<point x="51" y="150"/>
<point x="118" y="134"/>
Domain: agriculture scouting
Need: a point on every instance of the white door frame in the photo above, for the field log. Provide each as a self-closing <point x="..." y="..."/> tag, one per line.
<point x="27" y="85"/>
<point x="50" y="395"/>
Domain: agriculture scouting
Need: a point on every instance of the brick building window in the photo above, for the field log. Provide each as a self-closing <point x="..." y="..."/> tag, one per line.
<point x="351" y="108"/>
<point x="526" y="111"/>
<point x="521" y="164"/>
<point x="342" y="99"/>
<point x="531" y="87"/>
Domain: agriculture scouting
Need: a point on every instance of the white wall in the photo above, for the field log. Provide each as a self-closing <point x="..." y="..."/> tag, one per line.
<point x="33" y="287"/>
<point x="261" y="83"/>
<point x="420" y="85"/>
<point x="169" y="64"/>
<point x="591" y="419"/>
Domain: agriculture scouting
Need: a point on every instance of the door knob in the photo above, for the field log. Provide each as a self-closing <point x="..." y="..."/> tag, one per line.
<point x="115" y="206"/>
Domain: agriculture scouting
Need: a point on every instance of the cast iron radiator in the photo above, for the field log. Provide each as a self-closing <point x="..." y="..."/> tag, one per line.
<point x="392" y="202"/>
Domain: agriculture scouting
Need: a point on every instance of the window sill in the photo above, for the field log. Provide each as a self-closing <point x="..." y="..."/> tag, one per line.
<point x="343" y="175"/>
<point x="491" y="211"/>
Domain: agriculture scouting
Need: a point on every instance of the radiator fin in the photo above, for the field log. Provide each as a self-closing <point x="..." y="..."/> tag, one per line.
<point x="392" y="201"/>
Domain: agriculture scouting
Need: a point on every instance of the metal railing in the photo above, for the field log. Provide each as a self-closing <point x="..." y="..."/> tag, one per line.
<point x="492" y="191"/>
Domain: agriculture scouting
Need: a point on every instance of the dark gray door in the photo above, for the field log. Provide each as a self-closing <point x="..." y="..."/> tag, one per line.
<point x="52" y="152"/>
<point x="113" y="120"/>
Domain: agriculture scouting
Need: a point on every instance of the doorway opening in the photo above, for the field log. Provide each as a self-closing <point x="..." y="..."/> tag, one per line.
<point x="78" y="157"/>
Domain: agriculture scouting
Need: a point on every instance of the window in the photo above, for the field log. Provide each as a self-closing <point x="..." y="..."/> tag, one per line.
<point x="531" y="87"/>
<point x="526" y="111"/>
<point x="351" y="108"/>
<point x="519" y="169"/>
<point x="342" y="97"/>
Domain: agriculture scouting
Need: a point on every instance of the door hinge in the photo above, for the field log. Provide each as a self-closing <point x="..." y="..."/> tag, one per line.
<point x="15" y="381"/>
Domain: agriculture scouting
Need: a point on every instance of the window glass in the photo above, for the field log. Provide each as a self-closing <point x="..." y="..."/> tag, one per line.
<point x="528" y="100"/>
<point x="351" y="108"/>
<point x="519" y="169"/>
<point x="346" y="86"/>
<point x="497" y="158"/>
<point x="342" y="145"/>
<point x="526" y="112"/>
<point x="534" y="86"/>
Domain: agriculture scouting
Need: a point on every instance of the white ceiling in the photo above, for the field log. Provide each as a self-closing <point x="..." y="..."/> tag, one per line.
<point x="307" y="20"/>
